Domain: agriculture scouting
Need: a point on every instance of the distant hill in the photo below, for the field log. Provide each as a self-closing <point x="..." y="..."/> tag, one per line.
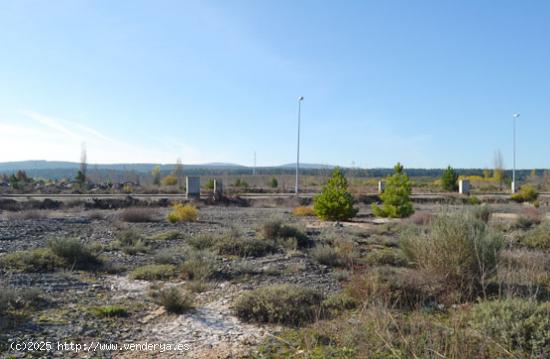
<point x="123" y="171"/>
<point x="139" y="167"/>
<point x="307" y="166"/>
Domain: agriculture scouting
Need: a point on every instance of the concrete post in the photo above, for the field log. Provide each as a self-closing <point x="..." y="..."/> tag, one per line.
<point x="464" y="187"/>
<point x="193" y="187"/>
<point x="218" y="188"/>
<point x="381" y="186"/>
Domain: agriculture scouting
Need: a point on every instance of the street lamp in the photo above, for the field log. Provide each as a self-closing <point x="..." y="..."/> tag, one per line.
<point x="300" y="99"/>
<point x="515" y="116"/>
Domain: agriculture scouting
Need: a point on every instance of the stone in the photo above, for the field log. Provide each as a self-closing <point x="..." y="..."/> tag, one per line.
<point x="193" y="186"/>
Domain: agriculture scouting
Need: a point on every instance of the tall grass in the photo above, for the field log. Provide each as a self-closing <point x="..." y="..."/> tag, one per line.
<point x="457" y="248"/>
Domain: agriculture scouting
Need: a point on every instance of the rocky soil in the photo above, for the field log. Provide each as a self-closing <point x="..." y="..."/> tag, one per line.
<point x="210" y="330"/>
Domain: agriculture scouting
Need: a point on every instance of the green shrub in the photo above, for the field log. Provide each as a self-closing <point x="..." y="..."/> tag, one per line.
<point x="526" y="193"/>
<point x="473" y="200"/>
<point x="396" y="196"/>
<point x="276" y="231"/>
<point x="538" y="237"/>
<point x="335" y="203"/>
<point x="336" y="303"/>
<point x="280" y="304"/>
<point x="203" y="241"/>
<point x="240" y="183"/>
<point x="449" y="180"/>
<point x="109" y="311"/>
<point x="209" y="184"/>
<point x="174" y="256"/>
<point x="458" y="248"/>
<point x="12" y="298"/>
<point x="131" y="242"/>
<point x="386" y="256"/>
<point x="174" y="301"/>
<point x="166" y="236"/>
<point x="273" y="183"/>
<point x="523" y="222"/>
<point x="381" y="333"/>
<point x="482" y="213"/>
<point x="170" y="180"/>
<point x="74" y="253"/>
<point x="154" y="272"/>
<point x="397" y="288"/>
<point x="529" y="217"/>
<point x="32" y="260"/>
<point x="244" y="247"/>
<point x="200" y="265"/>
<point x="521" y="326"/>
<point x="327" y="255"/>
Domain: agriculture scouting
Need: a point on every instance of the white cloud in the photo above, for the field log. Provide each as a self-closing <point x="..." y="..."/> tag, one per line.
<point x="37" y="136"/>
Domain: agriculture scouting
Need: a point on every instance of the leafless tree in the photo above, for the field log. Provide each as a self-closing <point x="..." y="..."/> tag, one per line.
<point x="83" y="160"/>
<point x="499" y="168"/>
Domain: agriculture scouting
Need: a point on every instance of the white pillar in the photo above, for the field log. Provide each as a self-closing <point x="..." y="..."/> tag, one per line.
<point x="464" y="187"/>
<point x="381" y="186"/>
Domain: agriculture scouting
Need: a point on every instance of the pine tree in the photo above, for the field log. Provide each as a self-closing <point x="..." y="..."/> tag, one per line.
<point x="396" y="196"/>
<point x="335" y="203"/>
<point x="449" y="180"/>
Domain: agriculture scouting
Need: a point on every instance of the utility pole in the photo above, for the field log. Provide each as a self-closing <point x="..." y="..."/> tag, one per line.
<point x="514" y="187"/>
<point x="297" y="189"/>
<point x="254" y="169"/>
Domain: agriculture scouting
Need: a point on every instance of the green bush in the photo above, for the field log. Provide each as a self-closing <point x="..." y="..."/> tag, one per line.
<point x="396" y="196"/>
<point x="244" y="247"/>
<point x="482" y="213"/>
<point x="200" y="265"/>
<point x="449" y="180"/>
<point x="473" y="201"/>
<point x="74" y="253"/>
<point x="171" y="255"/>
<point x="336" y="303"/>
<point x="386" y="256"/>
<point x="327" y="255"/>
<point x="17" y="298"/>
<point x="335" y="203"/>
<point x="109" y="311"/>
<point x="174" y="301"/>
<point x="393" y="287"/>
<point x="131" y="242"/>
<point x="166" y="236"/>
<point x="202" y="241"/>
<point x="273" y="183"/>
<point x="276" y="231"/>
<point x="32" y="260"/>
<point x="458" y="248"/>
<point x="527" y="193"/>
<point x="209" y="184"/>
<point x="538" y="237"/>
<point x="520" y="325"/>
<point x="280" y="304"/>
<point x="154" y="272"/>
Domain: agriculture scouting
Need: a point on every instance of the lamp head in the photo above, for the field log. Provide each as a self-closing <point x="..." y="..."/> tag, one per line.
<point x="516" y="115"/>
<point x="301" y="98"/>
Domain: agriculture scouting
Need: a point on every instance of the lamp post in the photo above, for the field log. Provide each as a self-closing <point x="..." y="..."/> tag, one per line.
<point x="300" y="99"/>
<point x="515" y="116"/>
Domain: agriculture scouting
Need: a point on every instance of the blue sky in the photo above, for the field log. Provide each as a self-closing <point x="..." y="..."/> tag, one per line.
<point x="427" y="83"/>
